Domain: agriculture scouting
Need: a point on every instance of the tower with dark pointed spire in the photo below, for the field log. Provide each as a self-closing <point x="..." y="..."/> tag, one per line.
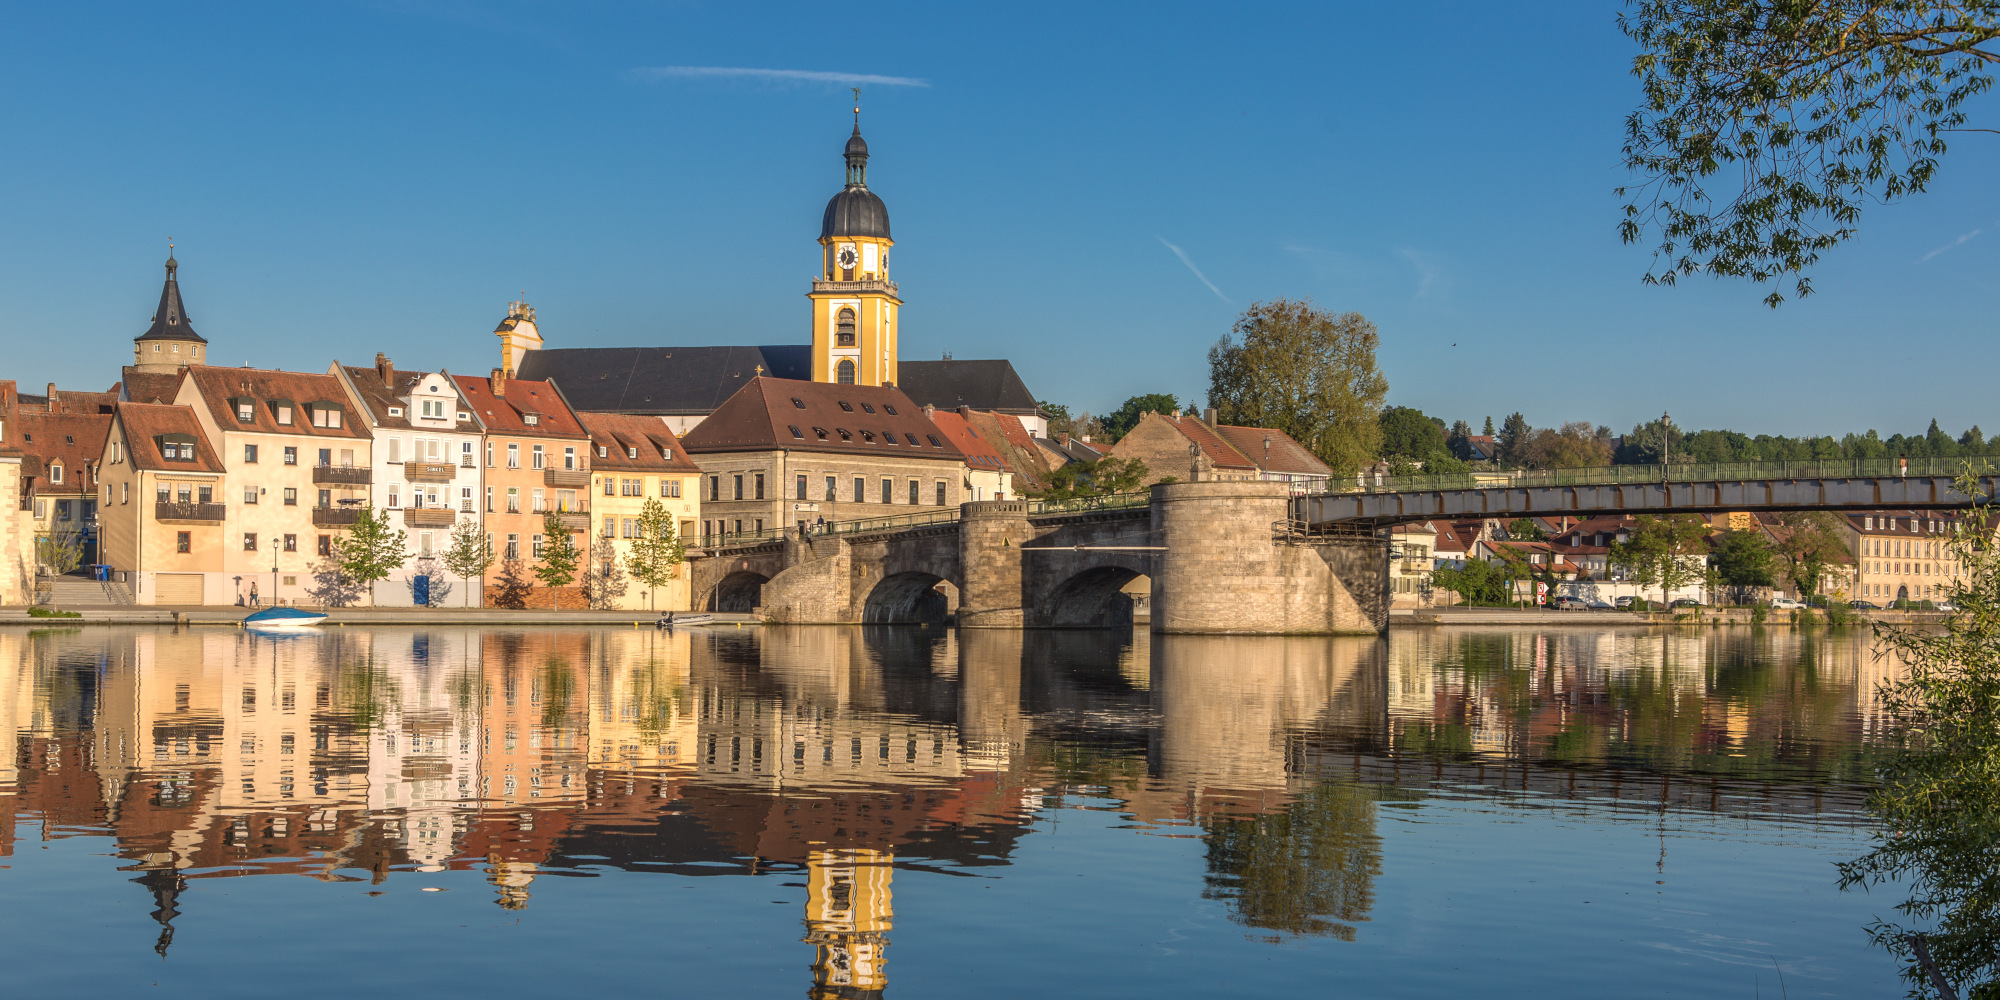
<point x="855" y="305"/>
<point x="170" y="344"/>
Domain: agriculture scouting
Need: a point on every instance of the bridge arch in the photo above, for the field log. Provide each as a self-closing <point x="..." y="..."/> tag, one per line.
<point x="909" y="598"/>
<point x="738" y="592"/>
<point x="1095" y="597"/>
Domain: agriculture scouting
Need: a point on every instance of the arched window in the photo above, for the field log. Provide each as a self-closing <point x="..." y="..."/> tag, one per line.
<point x="843" y="329"/>
<point x="845" y="372"/>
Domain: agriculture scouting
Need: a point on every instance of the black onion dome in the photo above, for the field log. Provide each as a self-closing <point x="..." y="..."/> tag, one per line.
<point x="857" y="146"/>
<point x="855" y="212"/>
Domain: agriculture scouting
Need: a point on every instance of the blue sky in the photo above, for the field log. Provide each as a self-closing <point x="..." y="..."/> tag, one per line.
<point x="343" y="178"/>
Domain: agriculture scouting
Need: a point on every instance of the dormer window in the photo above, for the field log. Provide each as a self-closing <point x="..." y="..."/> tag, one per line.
<point x="175" y="447"/>
<point x="284" y="414"/>
<point x="246" y="411"/>
<point x="433" y="408"/>
<point x="603" y="452"/>
<point x="631" y="452"/>
<point x="821" y="431"/>
<point x="55" y="473"/>
<point x="462" y="415"/>
<point x="668" y="453"/>
<point x="395" y="411"/>
<point x="325" y="415"/>
<point x="531" y="419"/>
<point x="867" y="435"/>
<point x="844" y="436"/>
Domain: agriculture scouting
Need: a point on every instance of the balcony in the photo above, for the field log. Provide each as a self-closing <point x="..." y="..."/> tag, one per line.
<point x="854" y="286"/>
<point x="335" y="517"/>
<point x="429" y="517"/>
<point x="429" y="472"/>
<point x="164" y="510"/>
<point x="574" y="522"/>
<point x="341" y="475"/>
<point x="566" y="478"/>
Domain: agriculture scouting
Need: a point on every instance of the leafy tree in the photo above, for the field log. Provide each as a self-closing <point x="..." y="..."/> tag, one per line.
<point x="1105" y="476"/>
<point x="59" y="552"/>
<point x="468" y="554"/>
<point x="1513" y="439"/>
<point x="1813" y="107"/>
<point x="1660" y="551"/>
<point x="1121" y="421"/>
<point x="1742" y="560"/>
<point x="1809" y="543"/>
<point x="560" y="556"/>
<point x="370" y="550"/>
<point x="1476" y="583"/>
<point x="1408" y="433"/>
<point x="604" y="583"/>
<point x="657" y="552"/>
<point x="511" y="587"/>
<point x="1459" y="441"/>
<point x="1304" y="371"/>
<point x="1524" y="529"/>
<point x="1307" y="870"/>
<point x="1576" y="445"/>
<point x="1939" y="804"/>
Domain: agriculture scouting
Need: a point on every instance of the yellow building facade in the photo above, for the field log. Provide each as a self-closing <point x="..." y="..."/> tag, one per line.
<point x="637" y="460"/>
<point x="854" y="304"/>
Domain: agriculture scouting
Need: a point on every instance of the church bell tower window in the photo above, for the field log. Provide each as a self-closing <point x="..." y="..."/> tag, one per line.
<point x="843" y="333"/>
<point x="845" y="372"/>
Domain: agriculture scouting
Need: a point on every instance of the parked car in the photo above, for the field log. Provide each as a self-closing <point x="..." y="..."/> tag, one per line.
<point x="1565" y="602"/>
<point x="1787" y="604"/>
<point x="1860" y="605"/>
<point x="1946" y="606"/>
<point x="1596" y="605"/>
<point x="1685" y="602"/>
<point x="1625" y="602"/>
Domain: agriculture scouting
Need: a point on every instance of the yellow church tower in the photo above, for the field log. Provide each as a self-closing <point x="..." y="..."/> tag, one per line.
<point x="853" y="301"/>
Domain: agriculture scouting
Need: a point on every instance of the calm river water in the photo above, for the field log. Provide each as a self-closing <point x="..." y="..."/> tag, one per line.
<point x="916" y="812"/>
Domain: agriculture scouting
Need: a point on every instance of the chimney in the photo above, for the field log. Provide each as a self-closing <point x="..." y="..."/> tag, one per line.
<point x="497" y="382"/>
<point x="1064" y="438"/>
<point x="52" y="397"/>
<point x="1177" y="413"/>
<point x="965" y="411"/>
<point x="385" y="369"/>
<point x="1208" y="416"/>
<point x="929" y="411"/>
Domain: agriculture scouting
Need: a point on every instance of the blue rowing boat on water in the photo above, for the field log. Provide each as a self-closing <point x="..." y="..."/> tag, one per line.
<point x="283" y="618"/>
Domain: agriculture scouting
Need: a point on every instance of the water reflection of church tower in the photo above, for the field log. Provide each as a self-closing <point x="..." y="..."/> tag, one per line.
<point x="848" y="917"/>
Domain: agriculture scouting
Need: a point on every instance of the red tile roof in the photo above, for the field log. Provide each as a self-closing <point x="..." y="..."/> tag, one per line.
<point x="1286" y="454"/>
<point x="222" y="388"/>
<point x="772" y="414"/>
<point x="144" y="423"/>
<point x="379" y="396"/>
<point x="960" y="432"/>
<point x="508" y="412"/>
<point x="74" y="439"/>
<point x="649" y="436"/>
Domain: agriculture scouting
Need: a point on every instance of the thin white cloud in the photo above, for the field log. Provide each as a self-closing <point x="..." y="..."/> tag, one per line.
<point x="1182" y="254"/>
<point x="654" y="74"/>
<point x="1428" y="275"/>
<point x="1953" y="245"/>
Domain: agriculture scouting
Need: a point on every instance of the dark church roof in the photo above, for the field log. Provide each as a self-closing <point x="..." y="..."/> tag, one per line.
<point x="982" y="385"/>
<point x="661" y="380"/>
<point x="856" y="211"/>
<point x="171" y="321"/>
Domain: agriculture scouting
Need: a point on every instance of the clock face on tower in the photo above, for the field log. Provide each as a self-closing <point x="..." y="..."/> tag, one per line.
<point x="847" y="258"/>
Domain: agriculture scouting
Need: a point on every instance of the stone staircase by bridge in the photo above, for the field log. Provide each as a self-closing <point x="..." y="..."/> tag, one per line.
<point x="75" y="591"/>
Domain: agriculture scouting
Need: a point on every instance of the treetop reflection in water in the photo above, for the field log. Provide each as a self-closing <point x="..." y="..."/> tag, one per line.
<point x="838" y="757"/>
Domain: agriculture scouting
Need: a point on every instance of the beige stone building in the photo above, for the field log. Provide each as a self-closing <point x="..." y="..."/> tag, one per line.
<point x="1198" y="449"/>
<point x="987" y="474"/>
<point x="781" y="453"/>
<point x="162" y="519"/>
<point x="1902" y="555"/>
<point x="636" y="459"/>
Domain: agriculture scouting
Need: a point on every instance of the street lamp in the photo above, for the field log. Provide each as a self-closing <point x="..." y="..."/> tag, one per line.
<point x="276" y="543"/>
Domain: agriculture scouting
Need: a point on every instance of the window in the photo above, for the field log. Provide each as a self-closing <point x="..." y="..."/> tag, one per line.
<point x="846" y="372"/>
<point x="794" y="428"/>
<point x="513" y="500"/>
<point x="249" y="494"/>
<point x="912" y="437"/>
<point x="821" y="432"/>
<point x="246" y="411"/>
<point x="916" y="493"/>
<point x="888" y="491"/>
<point x="531" y="419"/>
<point x="395" y="499"/>
<point x="434" y="408"/>
<point x="513" y="546"/>
<point x="205" y="494"/>
<point x="291" y="543"/>
<point x="610" y="526"/>
<point x="670" y="487"/>
<point x="291" y="496"/>
<point x="540" y="461"/>
<point x="860" y="490"/>
<point x="182" y="539"/>
<point x="758" y="527"/>
<point x="395" y="449"/>
<point x="537" y="500"/>
<point x="610" y="486"/>
<point x="125" y="493"/>
<point x="868" y="408"/>
<point x="55" y="472"/>
<point x="800" y="403"/>
<point x="935" y="443"/>
<point x="250" y="453"/>
<point x="324" y="415"/>
<point x="325" y="545"/>
<point x="889" y="409"/>
<point x="715" y="487"/>
<point x="395" y="411"/>
<point x="465" y="499"/>
<point x="802" y="486"/>
<point x="632" y="487"/>
<point x="249" y="541"/>
<point x="760" y="486"/>
<point x="940" y="493"/>
<point x="739" y="486"/>
<point x="849" y="407"/>
<point x="285" y="414"/>
<point x="465" y="455"/>
<point x="538" y="546"/>
<point x="843" y="330"/>
<point x="513" y="455"/>
<point x="291" y="455"/>
<point x="569" y="458"/>
<point x="424" y="541"/>
<point x="831" y="491"/>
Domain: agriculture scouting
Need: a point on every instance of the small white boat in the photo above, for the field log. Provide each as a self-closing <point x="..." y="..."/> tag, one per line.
<point x="671" y="619"/>
<point x="283" y="618"/>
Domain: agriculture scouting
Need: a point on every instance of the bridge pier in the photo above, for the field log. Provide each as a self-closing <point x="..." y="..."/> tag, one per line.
<point x="1228" y="567"/>
<point x="990" y="534"/>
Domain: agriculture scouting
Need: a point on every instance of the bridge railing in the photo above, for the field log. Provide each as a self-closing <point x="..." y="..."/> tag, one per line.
<point x="1078" y="505"/>
<point x="1680" y="472"/>
<point x="866" y="525"/>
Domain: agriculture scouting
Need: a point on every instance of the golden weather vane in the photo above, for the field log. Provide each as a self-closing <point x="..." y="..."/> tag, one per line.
<point x="857" y="106"/>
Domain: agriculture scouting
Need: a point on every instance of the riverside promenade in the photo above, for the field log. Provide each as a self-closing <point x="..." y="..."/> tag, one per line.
<point x="471" y="617"/>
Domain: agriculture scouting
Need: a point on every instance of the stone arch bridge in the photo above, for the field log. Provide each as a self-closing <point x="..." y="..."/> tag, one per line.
<point x="1221" y="557"/>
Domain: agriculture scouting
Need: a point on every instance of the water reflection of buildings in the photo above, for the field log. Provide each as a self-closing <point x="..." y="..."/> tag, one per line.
<point x="840" y="754"/>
